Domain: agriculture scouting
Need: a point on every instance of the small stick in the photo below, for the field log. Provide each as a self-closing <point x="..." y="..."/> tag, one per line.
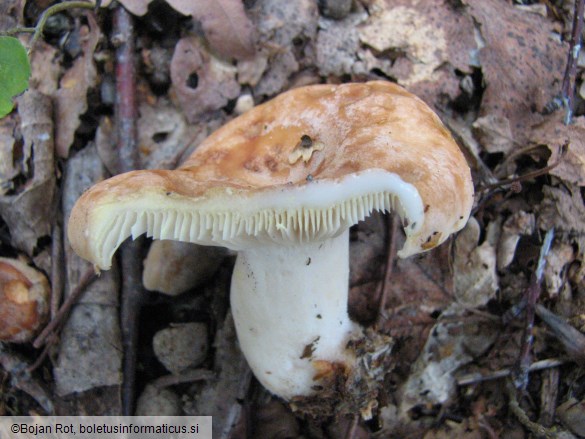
<point x="183" y="377"/>
<point x="568" y="88"/>
<point x="57" y="264"/>
<point x="474" y="378"/>
<point x="130" y="252"/>
<point x="390" y="258"/>
<point x="22" y="379"/>
<point x="520" y="375"/>
<point x="549" y="393"/>
<point x="529" y="175"/>
<point x="88" y="277"/>
<point x="535" y="428"/>
<point x="350" y="433"/>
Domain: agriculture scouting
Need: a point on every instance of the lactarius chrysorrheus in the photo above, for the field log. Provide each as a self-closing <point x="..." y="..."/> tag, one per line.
<point x="281" y="185"/>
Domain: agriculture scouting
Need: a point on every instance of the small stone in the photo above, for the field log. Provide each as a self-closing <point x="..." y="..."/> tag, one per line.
<point x="336" y="9"/>
<point x="244" y="103"/>
<point x="181" y="346"/>
<point x="158" y="402"/>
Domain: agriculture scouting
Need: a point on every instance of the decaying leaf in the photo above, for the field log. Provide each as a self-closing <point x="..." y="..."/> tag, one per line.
<point x="572" y="415"/>
<point x="28" y="208"/>
<point x="518" y="224"/>
<point x="563" y="209"/>
<point x="555" y="134"/>
<point x="71" y="97"/>
<point x="558" y="259"/>
<point x="474" y="267"/>
<point x="9" y="168"/>
<point x="494" y="133"/>
<point x="225" y="24"/>
<point x="426" y="41"/>
<point x="285" y="30"/>
<point x="91" y="336"/>
<point x="522" y="63"/>
<point x="136" y="7"/>
<point x="449" y="346"/>
<point x="201" y="82"/>
<point x="45" y="68"/>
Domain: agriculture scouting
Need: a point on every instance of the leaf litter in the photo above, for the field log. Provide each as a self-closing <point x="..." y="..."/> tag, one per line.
<point x="491" y="68"/>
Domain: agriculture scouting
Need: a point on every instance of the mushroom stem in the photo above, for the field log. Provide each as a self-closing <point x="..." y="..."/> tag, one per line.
<point x="290" y="310"/>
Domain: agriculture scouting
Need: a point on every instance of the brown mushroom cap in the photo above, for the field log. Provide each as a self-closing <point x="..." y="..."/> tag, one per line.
<point x="300" y="140"/>
<point x="24" y="300"/>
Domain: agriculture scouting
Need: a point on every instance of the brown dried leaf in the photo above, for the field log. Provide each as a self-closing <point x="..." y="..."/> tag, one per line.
<point x="554" y="134"/>
<point x="563" y="209"/>
<point x="9" y="168"/>
<point x="201" y="82"/>
<point x="521" y="61"/>
<point x="71" y="97"/>
<point x="91" y="334"/>
<point x="572" y="415"/>
<point x="225" y="24"/>
<point x="426" y="41"/>
<point x="449" y="346"/>
<point x="45" y="68"/>
<point x="28" y="211"/>
<point x="474" y="267"/>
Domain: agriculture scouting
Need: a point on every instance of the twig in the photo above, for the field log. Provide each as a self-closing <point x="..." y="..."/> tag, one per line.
<point x="549" y="393"/>
<point x="474" y="378"/>
<point x="131" y="258"/>
<point x="184" y="377"/>
<point x="350" y="433"/>
<point x="520" y="375"/>
<point x="88" y="277"/>
<point x="57" y="264"/>
<point x="23" y="380"/>
<point x="573" y="340"/>
<point x="529" y="175"/>
<point x="390" y="258"/>
<point x="536" y="429"/>
<point x="568" y="88"/>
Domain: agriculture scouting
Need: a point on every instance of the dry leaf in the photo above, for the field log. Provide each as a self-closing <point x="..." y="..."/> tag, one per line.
<point x="554" y="134"/>
<point x="71" y="97"/>
<point x="202" y="83"/>
<point x="427" y="41"/>
<point x="28" y="208"/>
<point x="474" y="267"/>
<point x="518" y="224"/>
<point x="225" y="24"/>
<point x="45" y="68"/>
<point x="559" y="257"/>
<point x="449" y="346"/>
<point x="9" y="168"/>
<point x="494" y="133"/>
<point x="572" y="415"/>
<point x="91" y="335"/>
<point x="522" y="64"/>
<point x="285" y="29"/>
<point x="563" y="209"/>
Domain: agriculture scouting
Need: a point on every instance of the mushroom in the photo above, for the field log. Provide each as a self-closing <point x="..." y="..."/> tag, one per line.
<point x="24" y="300"/>
<point x="282" y="184"/>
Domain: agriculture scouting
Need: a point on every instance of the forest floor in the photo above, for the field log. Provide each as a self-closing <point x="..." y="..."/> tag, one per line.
<point x="484" y="345"/>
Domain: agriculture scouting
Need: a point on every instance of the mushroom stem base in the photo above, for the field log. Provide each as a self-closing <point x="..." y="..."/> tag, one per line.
<point x="290" y="310"/>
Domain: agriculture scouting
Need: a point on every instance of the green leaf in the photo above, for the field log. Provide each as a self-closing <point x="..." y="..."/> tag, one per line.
<point x="14" y="72"/>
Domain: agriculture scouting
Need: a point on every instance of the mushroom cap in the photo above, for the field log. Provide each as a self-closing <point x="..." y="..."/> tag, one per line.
<point x="303" y="166"/>
<point x="24" y="300"/>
